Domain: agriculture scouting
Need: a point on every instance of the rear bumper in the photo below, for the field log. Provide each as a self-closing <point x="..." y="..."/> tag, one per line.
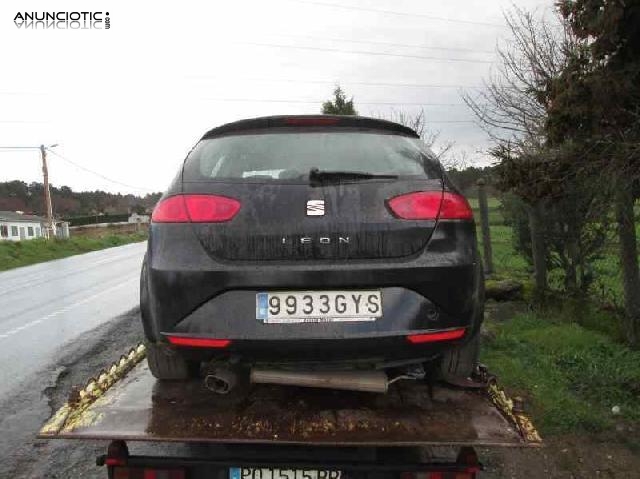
<point x="232" y="316"/>
<point x="192" y="294"/>
<point x="324" y="354"/>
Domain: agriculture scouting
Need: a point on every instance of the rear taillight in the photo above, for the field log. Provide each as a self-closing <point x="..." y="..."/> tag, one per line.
<point x="195" y="209"/>
<point x="431" y="205"/>
<point x="455" y="207"/>
<point x="198" y="342"/>
<point x="432" y="337"/>
<point x="462" y="473"/>
<point x="147" y="473"/>
<point x="311" y="121"/>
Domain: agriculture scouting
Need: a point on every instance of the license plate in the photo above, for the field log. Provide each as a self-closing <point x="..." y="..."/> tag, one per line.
<point x="318" y="306"/>
<point x="275" y="473"/>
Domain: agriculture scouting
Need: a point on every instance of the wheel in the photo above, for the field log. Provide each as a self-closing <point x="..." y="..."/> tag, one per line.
<point x="164" y="363"/>
<point x="145" y="313"/>
<point x="167" y="364"/>
<point x="460" y="362"/>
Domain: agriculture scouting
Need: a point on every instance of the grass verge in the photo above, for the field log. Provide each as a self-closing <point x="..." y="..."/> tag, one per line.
<point x="23" y="253"/>
<point x="571" y="376"/>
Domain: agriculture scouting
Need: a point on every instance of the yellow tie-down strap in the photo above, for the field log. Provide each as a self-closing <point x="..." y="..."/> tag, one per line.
<point x="70" y="414"/>
<point x="514" y="413"/>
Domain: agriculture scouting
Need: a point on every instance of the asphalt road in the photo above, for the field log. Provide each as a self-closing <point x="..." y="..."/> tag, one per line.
<point x="50" y="304"/>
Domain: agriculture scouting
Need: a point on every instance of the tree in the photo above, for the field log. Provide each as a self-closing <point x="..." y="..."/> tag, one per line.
<point x="598" y="99"/>
<point x="568" y="209"/>
<point x="20" y="196"/>
<point x="512" y="108"/>
<point x="339" y="105"/>
<point x="430" y="137"/>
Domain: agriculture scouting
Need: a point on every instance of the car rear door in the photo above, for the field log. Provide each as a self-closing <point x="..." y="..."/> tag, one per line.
<point x="283" y="216"/>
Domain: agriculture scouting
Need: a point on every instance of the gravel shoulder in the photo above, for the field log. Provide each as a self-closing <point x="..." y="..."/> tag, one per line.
<point x="22" y="415"/>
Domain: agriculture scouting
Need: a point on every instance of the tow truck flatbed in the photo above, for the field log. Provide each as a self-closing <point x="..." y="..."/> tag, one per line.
<point x="125" y="403"/>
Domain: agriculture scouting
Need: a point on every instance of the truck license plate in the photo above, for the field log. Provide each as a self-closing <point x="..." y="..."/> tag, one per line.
<point x="275" y="473"/>
<point x="318" y="306"/>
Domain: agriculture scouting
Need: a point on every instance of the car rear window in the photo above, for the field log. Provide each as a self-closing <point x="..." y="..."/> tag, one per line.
<point x="289" y="156"/>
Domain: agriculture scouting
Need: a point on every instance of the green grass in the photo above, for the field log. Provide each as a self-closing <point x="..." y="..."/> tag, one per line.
<point x="24" y="253"/>
<point x="607" y="285"/>
<point x="507" y="262"/>
<point x="568" y="358"/>
<point x="495" y="213"/>
<point x="570" y="376"/>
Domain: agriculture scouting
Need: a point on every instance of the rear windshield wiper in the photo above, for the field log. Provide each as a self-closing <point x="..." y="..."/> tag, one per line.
<point x="317" y="176"/>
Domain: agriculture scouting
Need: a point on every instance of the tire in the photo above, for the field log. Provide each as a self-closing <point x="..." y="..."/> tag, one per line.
<point x="164" y="362"/>
<point x="167" y="364"/>
<point x="461" y="361"/>
<point x="145" y="310"/>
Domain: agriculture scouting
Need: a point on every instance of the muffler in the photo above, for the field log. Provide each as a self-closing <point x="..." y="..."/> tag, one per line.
<point x="220" y="379"/>
<point x="369" y="381"/>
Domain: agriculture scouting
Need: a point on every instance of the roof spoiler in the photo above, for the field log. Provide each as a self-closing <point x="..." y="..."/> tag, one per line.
<point x="281" y="121"/>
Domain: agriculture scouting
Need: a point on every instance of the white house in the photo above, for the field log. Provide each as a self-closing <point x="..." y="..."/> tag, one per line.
<point x="136" y="218"/>
<point x="16" y="226"/>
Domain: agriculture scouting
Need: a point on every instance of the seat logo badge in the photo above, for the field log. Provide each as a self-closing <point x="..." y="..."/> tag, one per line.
<point x="315" y="208"/>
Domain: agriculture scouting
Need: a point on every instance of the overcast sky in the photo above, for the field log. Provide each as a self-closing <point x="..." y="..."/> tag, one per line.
<point x="129" y="102"/>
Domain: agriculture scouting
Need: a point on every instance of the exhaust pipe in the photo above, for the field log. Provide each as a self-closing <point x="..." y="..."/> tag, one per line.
<point x="369" y="381"/>
<point x="220" y="379"/>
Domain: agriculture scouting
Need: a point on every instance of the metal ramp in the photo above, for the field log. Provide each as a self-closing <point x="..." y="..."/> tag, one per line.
<point x="127" y="403"/>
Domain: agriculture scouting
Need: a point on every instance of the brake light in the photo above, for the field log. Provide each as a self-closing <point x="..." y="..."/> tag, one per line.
<point x="467" y="473"/>
<point x="422" y="205"/>
<point x="198" y="342"/>
<point x="448" y="335"/>
<point x="431" y="205"/>
<point x="455" y="207"/>
<point x="313" y="121"/>
<point x="147" y="473"/>
<point x="195" y="209"/>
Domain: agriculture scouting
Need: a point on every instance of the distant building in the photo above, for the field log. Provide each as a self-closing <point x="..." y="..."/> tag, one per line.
<point x="62" y="229"/>
<point x="136" y="218"/>
<point x="16" y="226"/>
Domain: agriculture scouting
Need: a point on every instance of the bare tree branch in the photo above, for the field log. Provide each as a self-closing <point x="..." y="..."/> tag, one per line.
<point x="441" y="149"/>
<point x="512" y="107"/>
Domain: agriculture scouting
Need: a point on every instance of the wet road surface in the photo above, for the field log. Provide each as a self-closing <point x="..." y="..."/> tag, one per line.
<point x="23" y="412"/>
<point x="49" y="304"/>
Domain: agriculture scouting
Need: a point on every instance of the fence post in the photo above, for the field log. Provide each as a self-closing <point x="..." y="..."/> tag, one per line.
<point x="538" y="248"/>
<point x="484" y="226"/>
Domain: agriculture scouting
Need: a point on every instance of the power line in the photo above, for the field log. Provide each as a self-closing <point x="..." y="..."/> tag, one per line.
<point x="19" y="147"/>
<point x="96" y="173"/>
<point x="20" y="93"/>
<point x="20" y="122"/>
<point x="286" y="100"/>
<point x="277" y="100"/>
<point x="391" y="44"/>
<point x="344" y="82"/>
<point x="361" y="52"/>
<point x="403" y="14"/>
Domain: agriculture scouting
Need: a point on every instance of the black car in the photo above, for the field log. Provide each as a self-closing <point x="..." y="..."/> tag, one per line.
<point x="311" y="242"/>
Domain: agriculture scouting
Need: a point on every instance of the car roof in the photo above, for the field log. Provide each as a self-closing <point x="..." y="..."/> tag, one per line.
<point x="339" y="121"/>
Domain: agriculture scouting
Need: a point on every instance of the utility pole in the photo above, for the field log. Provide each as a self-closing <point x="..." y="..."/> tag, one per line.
<point x="51" y="229"/>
